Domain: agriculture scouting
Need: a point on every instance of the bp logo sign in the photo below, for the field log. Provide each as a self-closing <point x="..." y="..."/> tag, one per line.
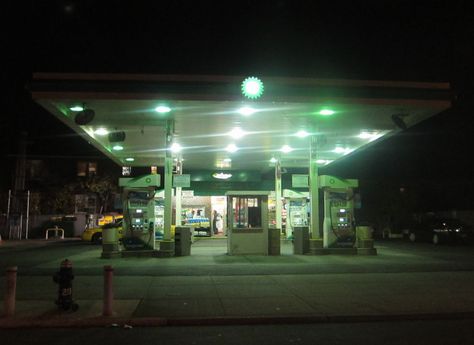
<point x="252" y="88"/>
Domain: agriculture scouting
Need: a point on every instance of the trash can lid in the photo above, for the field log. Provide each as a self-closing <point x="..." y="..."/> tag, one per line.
<point x="66" y="263"/>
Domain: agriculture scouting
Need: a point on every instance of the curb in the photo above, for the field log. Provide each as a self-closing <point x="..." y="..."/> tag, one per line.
<point x="13" y="323"/>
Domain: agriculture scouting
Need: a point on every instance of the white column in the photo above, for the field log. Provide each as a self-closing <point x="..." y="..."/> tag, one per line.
<point x="314" y="188"/>
<point x="278" y="202"/>
<point x="168" y="184"/>
<point x="327" y="219"/>
<point x="27" y="214"/>
<point x="178" y="198"/>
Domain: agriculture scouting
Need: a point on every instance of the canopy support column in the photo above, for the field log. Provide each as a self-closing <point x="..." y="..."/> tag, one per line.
<point x="167" y="245"/>
<point x="178" y="198"/>
<point x="315" y="242"/>
<point x="278" y="202"/>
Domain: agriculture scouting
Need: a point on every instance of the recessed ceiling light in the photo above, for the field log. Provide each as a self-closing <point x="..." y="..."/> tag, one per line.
<point x="117" y="148"/>
<point x="77" y="108"/>
<point x="231" y="148"/>
<point x="321" y="161"/>
<point x="247" y="111"/>
<point x="369" y="135"/>
<point x="101" y="131"/>
<point x="227" y="160"/>
<point x="221" y="176"/>
<point x="343" y="150"/>
<point x="237" y="133"/>
<point x="326" y="112"/>
<point x="286" y="149"/>
<point x="162" y="109"/>
<point x="302" y="134"/>
<point x="129" y="159"/>
<point x="175" y="147"/>
<point x="273" y="160"/>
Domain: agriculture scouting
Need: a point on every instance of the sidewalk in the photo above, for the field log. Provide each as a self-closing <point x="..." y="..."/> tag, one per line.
<point x="33" y="243"/>
<point x="191" y="300"/>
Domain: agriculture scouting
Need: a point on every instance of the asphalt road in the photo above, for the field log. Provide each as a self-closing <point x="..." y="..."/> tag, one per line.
<point x="209" y="258"/>
<point x="441" y="332"/>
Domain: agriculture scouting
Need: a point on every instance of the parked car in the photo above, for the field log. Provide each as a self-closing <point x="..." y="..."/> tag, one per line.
<point x="439" y="231"/>
<point x="94" y="235"/>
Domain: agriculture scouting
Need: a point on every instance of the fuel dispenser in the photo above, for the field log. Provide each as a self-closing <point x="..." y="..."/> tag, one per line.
<point x="139" y="224"/>
<point x="339" y="221"/>
<point x="297" y="210"/>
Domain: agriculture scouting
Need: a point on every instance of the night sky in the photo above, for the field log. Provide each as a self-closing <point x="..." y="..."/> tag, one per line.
<point x="384" y="40"/>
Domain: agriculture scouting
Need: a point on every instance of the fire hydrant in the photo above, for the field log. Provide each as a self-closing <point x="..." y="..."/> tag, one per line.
<point x="64" y="279"/>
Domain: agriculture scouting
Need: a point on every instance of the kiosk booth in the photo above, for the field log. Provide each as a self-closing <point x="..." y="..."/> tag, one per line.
<point x="247" y="223"/>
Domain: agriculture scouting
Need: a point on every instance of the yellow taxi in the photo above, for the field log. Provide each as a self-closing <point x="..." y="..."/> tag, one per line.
<point x="94" y="235"/>
<point x="108" y="218"/>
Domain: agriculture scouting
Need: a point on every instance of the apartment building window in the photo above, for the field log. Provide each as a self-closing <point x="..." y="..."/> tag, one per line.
<point x="86" y="168"/>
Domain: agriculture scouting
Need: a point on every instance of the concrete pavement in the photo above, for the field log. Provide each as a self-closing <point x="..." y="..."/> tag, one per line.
<point x="248" y="296"/>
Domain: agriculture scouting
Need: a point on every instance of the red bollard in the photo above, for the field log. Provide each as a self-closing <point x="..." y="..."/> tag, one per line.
<point x="10" y="293"/>
<point x="108" y="291"/>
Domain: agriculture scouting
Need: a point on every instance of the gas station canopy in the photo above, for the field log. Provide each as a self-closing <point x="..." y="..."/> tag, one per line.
<point x="215" y="125"/>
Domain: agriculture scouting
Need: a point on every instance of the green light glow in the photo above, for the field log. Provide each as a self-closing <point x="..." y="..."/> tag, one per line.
<point x="273" y="160"/>
<point x="129" y="159"/>
<point x="252" y="88"/>
<point x="286" y="149"/>
<point x="326" y="112"/>
<point x="117" y="148"/>
<point x="162" y="109"/>
<point x="77" y="108"/>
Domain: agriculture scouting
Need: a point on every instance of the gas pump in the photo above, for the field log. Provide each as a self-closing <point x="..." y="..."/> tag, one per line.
<point x="138" y="198"/>
<point x="159" y="215"/>
<point x="339" y="221"/>
<point x="297" y="210"/>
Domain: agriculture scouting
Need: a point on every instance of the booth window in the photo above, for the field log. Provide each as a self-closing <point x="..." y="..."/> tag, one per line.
<point x="247" y="212"/>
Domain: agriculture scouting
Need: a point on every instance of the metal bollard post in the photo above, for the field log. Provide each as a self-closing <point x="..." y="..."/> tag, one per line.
<point x="108" y="291"/>
<point x="10" y="293"/>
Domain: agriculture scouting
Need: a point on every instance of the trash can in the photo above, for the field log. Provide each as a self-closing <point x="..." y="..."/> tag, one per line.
<point x="364" y="241"/>
<point x="182" y="241"/>
<point x="364" y="237"/>
<point x="110" y="243"/>
<point x="300" y="240"/>
<point x="274" y="241"/>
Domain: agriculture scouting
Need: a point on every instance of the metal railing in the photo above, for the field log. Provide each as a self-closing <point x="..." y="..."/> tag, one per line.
<point x="55" y="229"/>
